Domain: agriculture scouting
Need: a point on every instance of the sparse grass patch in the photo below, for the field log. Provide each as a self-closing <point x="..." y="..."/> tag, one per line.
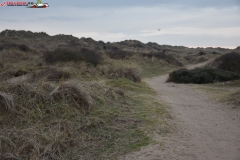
<point x="147" y="67"/>
<point x="130" y="85"/>
<point x="234" y="98"/>
<point x="147" y="108"/>
<point x="223" y="92"/>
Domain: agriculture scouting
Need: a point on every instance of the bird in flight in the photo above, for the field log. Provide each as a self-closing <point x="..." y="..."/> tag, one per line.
<point x="159" y="29"/>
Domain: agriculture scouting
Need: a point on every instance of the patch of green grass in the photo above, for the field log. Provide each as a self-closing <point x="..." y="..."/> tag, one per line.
<point x="147" y="67"/>
<point x="146" y="107"/>
<point x="228" y="92"/>
<point x="129" y="85"/>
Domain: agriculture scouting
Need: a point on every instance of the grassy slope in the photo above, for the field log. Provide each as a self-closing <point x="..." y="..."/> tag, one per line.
<point x="118" y="115"/>
<point x="84" y="115"/>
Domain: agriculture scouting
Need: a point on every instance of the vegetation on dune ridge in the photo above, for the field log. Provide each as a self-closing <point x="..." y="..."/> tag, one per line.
<point x="229" y="62"/>
<point x="201" y="75"/>
<point x="161" y="55"/>
<point x="66" y="55"/>
<point x="22" y="33"/>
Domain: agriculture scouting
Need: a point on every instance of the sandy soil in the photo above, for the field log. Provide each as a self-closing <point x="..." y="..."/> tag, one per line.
<point x="203" y="129"/>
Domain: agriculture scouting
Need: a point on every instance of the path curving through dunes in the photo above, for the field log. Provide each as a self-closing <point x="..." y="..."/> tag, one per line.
<point x="203" y="129"/>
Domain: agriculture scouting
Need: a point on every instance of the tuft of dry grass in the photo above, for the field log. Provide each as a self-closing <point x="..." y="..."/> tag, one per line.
<point x="51" y="74"/>
<point x="131" y="73"/>
<point x="73" y="91"/>
<point x="6" y="100"/>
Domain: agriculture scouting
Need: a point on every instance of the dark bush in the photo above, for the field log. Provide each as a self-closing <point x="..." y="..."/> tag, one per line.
<point x="101" y="42"/>
<point x="21" y="47"/>
<point x="91" y="56"/>
<point x="161" y="55"/>
<point x="201" y="76"/>
<point x="74" y="42"/>
<point x="188" y="57"/>
<point x="66" y="55"/>
<point x="238" y="48"/>
<point x="119" y="54"/>
<point x="201" y="53"/>
<point x="20" y="72"/>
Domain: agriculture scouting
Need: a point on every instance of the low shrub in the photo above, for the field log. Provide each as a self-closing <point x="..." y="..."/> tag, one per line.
<point x="21" y="47"/>
<point x="66" y="55"/>
<point x="201" y="53"/>
<point x="118" y="54"/>
<point x="161" y="55"/>
<point x="201" y="76"/>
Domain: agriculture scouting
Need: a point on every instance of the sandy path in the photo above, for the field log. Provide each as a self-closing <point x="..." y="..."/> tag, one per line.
<point x="203" y="129"/>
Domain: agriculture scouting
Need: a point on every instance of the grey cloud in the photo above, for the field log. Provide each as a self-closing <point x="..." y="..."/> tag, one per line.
<point x="145" y="3"/>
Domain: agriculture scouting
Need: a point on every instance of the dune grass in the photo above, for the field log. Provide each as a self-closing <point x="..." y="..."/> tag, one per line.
<point x="56" y="109"/>
<point x="76" y="111"/>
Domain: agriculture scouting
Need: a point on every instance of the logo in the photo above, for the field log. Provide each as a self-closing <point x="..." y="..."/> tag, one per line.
<point x="39" y="4"/>
<point x="14" y="4"/>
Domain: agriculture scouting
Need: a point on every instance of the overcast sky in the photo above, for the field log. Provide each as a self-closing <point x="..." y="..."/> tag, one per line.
<point x="198" y="23"/>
